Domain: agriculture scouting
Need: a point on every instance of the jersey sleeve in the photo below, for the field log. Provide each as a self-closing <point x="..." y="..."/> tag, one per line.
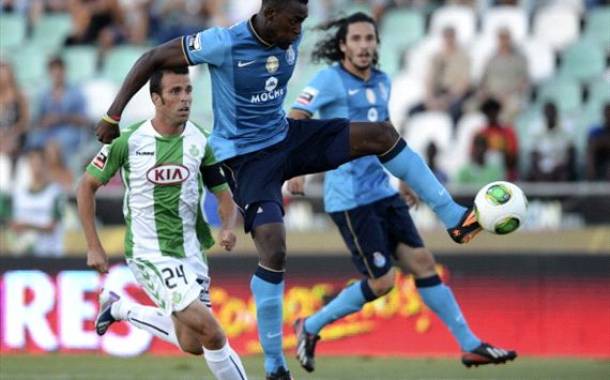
<point x="108" y="160"/>
<point x="323" y="89"/>
<point x="212" y="173"/>
<point x="208" y="46"/>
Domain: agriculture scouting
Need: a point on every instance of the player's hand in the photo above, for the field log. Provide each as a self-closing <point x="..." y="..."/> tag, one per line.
<point x="106" y="132"/>
<point x="296" y="185"/>
<point x="97" y="259"/>
<point x="227" y="239"/>
<point x="409" y="195"/>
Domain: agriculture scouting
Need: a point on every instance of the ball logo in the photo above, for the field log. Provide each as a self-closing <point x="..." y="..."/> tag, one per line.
<point x="272" y="64"/>
<point x="168" y="174"/>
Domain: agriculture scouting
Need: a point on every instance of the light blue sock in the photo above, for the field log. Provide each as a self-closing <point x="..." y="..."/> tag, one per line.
<point x="408" y="166"/>
<point x="350" y="300"/>
<point x="268" y="290"/>
<point x="440" y="299"/>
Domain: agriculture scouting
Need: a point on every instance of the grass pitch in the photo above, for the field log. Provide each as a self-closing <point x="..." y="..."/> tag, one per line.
<point x="91" y="367"/>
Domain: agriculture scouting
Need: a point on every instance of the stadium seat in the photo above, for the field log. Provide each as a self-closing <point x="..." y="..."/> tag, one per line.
<point x="461" y="18"/>
<point x="30" y="65"/>
<point x="99" y="94"/>
<point x="481" y="50"/>
<point x="51" y="31"/>
<point x="556" y="25"/>
<point x="119" y="61"/>
<point x="467" y="128"/>
<point x="407" y="91"/>
<point x="81" y="62"/>
<point x="400" y="28"/>
<point x="427" y="127"/>
<point x="599" y="91"/>
<point x="582" y="61"/>
<point x="566" y="94"/>
<point x="12" y="30"/>
<point x="598" y="25"/>
<point x="540" y="59"/>
<point x="509" y="17"/>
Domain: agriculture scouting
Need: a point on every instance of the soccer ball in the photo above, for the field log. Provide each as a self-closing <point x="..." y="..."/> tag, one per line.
<point x="500" y="207"/>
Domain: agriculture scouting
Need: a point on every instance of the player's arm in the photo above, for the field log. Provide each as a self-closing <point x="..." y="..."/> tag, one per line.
<point x="169" y="54"/>
<point x="85" y="199"/>
<point x="215" y="181"/>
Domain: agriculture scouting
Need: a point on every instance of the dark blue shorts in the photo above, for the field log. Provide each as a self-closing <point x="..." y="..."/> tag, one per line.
<point x="311" y="146"/>
<point x="372" y="233"/>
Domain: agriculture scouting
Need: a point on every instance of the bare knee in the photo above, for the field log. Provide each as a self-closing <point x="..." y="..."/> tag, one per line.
<point x="372" y="138"/>
<point x="191" y="348"/>
<point x="214" y="339"/>
<point x="270" y="243"/>
<point x="384" y="284"/>
<point x="418" y="261"/>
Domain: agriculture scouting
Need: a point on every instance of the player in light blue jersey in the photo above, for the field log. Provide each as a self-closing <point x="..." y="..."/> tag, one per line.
<point x="250" y="64"/>
<point x="373" y="219"/>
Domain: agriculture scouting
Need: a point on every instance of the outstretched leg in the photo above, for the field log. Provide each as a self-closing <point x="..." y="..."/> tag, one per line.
<point x="381" y="139"/>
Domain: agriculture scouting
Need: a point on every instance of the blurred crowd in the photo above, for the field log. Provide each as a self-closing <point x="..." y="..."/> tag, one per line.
<point x="46" y="130"/>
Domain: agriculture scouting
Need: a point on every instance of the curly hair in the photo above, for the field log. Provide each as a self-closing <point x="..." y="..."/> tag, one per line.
<point x="327" y="49"/>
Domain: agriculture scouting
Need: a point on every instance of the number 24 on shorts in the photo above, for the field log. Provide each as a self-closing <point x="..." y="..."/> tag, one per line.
<point x="170" y="276"/>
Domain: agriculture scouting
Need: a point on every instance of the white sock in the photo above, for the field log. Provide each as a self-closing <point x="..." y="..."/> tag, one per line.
<point x="147" y="318"/>
<point x="225" y="363"/>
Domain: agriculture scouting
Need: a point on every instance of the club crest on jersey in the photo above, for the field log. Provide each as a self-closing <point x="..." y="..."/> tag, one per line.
<point x="272" y="64"/>
<point x="307" y="95"/>
<point x="271" y="84"/>
<point x="168" y="174"/>
<point x="101" y="158"/>
<point x="291" y="56"/>
<point x="370" y="95"/>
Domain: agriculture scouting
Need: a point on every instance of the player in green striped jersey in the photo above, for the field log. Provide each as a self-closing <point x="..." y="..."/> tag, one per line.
<point x="165" y="163"/>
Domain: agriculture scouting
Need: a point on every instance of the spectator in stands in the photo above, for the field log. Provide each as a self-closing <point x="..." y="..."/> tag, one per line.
<point x="137" y="20"/>
<point x="58" y="171"/>
<point x="553" y="155"/>
<point x="506" y="77"/>
<point x="37" y="209"/>
<point x="448" y="82"/>
<point x="14" y="114"/>
<point x="484" y="167"/>
<point x="98" y="22"/>
<point x="62" y="116"/>
<point x="501" y="138"/>
<point x="431" y="156"/>
<point x="598" y="150"/>
<point x="182" y="17"/>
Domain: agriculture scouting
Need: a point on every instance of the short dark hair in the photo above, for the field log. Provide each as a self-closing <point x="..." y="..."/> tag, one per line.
<point x="157" y="76"/>
<point x="328" y="50"/>
<point x="274" y="3"/>
<point x="56" y="61"/>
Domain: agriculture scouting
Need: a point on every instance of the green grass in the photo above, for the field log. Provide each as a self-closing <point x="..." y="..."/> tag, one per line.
<point x="90" y="367"/>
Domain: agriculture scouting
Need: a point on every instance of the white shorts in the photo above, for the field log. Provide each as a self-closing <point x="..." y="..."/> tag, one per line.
<point x="172" y="283"/>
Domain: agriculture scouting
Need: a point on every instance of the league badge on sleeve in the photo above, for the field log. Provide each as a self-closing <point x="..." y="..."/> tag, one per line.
<point x="193" y="43"/>
<point x="101" y="158"/>
<point x="307" y="95"/>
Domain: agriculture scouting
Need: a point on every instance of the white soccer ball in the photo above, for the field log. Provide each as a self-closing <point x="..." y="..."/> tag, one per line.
<point x="500" y="207"/>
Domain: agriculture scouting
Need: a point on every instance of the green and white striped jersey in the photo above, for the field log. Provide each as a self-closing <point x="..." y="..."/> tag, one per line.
<point x="163" y="189"/>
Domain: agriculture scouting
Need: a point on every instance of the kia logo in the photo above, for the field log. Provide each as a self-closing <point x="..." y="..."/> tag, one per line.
<point x="168" y="174"/>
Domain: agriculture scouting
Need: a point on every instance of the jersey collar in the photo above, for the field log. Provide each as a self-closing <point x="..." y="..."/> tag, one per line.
<point x="341" y="67"/>
<point x="256" y="35"/>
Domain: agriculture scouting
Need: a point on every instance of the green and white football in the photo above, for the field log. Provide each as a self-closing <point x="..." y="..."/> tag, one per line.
<point x="500" y="207"/>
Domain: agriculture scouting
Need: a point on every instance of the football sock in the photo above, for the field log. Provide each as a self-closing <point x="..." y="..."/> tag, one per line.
<point x="225" y="363"/>
<point x="350" y="300"/>
<point x="440" y="299"/>
<point x="268" y="289"/>
<point x="408" y="166"/>
<point x="148" y="318"/>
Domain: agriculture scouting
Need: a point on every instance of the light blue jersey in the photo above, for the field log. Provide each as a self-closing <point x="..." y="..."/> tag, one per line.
<point x="249" y="80"/>
<point x="334" y="92"/>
